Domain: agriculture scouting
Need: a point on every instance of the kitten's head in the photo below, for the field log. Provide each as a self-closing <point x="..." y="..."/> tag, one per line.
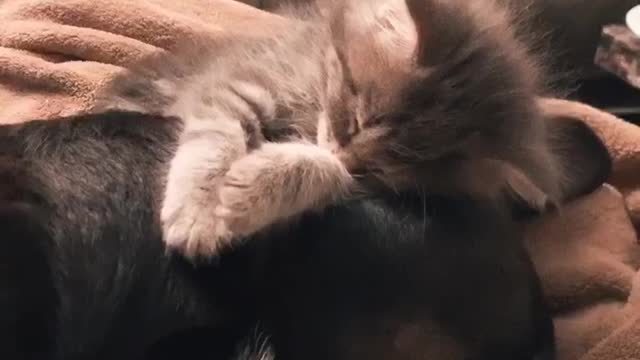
<point x="412" y="82"/>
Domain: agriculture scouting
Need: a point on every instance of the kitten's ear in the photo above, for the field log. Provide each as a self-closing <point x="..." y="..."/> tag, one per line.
<point x="583" y="160"/>
<point x="439" y="30"/>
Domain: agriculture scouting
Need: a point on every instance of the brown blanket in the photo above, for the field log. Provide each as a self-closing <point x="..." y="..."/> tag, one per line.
<point x="55" y="55"/>
<point x="588" y="256"/>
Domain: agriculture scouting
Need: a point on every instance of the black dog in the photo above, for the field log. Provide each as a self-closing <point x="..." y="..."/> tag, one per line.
<point x="85" y="274"/>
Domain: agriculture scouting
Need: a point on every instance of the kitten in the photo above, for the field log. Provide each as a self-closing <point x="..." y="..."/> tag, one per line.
<point x="430" y="94"/>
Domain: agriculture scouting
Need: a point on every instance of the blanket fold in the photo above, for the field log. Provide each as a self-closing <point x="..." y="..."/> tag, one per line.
<point x="62" y="53"/>
<point x="56" y="55"/>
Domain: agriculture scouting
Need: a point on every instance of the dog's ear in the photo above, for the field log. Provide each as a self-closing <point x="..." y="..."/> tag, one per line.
<point x="524" y="197"/>
<point x="583" y="159"/>
<point x="580" y="160"/>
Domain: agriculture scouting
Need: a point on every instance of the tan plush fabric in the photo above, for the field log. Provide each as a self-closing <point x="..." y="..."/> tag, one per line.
<point x="56" y="54"/>
<point x="588" y="256"/>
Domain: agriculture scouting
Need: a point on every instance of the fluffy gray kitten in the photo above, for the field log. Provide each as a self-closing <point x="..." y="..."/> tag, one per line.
<point x="430" y="94"/>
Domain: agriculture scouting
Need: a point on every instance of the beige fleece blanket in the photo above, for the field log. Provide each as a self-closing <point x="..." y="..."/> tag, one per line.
<point x="55" y="55"/>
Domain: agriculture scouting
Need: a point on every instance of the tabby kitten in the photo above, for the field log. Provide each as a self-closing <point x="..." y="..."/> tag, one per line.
<point x="435" y="94"/>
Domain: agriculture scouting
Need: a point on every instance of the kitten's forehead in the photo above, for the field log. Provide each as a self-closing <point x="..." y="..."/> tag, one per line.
<point x="382" y="37"/>
<point x="388" y="20"/>
<point x="381" y="98"/>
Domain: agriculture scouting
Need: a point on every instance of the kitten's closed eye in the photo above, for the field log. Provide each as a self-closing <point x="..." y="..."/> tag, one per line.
<point x="343" y="127"/>
<point x="382" y="118"/>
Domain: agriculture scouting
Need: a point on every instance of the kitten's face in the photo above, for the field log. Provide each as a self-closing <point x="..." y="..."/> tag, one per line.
<point x="387" y="127"/>
<point x="407" y="89"/>
<point x="369" y="127"/>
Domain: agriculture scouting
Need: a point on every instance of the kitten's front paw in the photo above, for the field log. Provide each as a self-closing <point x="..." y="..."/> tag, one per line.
<point x="194" y="230"/>
<point x="245" y="202"/>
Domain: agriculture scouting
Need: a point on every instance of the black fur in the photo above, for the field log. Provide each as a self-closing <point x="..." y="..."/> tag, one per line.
<point x="83" y="250"/>
<point x="448" y="267"/>
<point x="116" y="291"/>
<point x="27" y="294"/>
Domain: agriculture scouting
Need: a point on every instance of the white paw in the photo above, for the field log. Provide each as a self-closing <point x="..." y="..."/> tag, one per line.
<point x="194" y="231"/>
<point x="189" y="223"/>
<point x="245" y="202"/>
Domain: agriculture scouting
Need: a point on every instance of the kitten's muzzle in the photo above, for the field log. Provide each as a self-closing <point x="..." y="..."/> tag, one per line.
<point x="349" y="161"/>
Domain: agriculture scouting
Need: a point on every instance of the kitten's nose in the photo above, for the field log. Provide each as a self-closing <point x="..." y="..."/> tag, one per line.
<point x="347" y="159"/>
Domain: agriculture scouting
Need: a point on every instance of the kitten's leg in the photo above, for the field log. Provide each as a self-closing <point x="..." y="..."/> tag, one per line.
<point x="206" y="150"/>
<point x="279" y="181"/>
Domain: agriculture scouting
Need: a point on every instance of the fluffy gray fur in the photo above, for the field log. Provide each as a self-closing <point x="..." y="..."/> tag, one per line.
<point x="434" y="94"/>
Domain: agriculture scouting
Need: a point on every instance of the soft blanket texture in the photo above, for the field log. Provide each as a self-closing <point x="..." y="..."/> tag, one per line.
<point x="62" y="53"/>
<point x="588" y="256"/>
<point x="55" y="55"/>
